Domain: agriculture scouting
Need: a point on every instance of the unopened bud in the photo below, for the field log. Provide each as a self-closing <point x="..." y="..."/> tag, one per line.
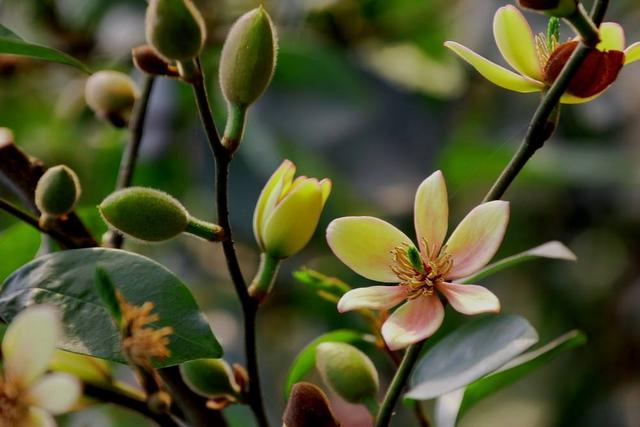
<point x="559" y="8"/>
<point x="212" y="378"/>
<point x="111" y="95"/>
<point x="175" y="28"/>
<point x="248" y="58"/>
<point x="308" y="406"/>
<point x="348" y="371"/>
<point x="147" y="60"/>
<point x="57" y="192"/>
<point x="159" y="402"/>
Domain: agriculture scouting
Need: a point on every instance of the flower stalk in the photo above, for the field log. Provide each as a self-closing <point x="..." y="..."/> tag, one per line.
<point x="265" y="277"/>
<point x="584" y="25"/>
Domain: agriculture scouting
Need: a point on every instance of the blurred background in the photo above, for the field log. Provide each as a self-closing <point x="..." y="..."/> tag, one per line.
<point x="365" y="94"/>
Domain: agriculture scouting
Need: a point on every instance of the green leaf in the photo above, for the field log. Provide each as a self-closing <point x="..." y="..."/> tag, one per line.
<point x="66" y="280"/>
<point x="306" y="359"/>
<point x="452" y="406"/>
<point x="551" y="250"/>
<point x="107" y="292"/>
<point x="104" y="415"/>
<point x="470" y="352"/>
<point x="18" y="245"/>
<point x="326" y="287"/>
<point x="11" y="43"/>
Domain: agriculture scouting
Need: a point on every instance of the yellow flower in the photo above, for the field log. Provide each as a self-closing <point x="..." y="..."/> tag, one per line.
<point x="28" y="396"/>
<point x="538" y="61"/>
<point x="288" y="211"/>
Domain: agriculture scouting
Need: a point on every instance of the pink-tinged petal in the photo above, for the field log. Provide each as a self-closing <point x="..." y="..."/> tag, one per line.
<point x="365" y="244"/>
<point x="373" y="298"/>
<point x="611" y="37"/>
<point x="431" y="213"/>
<point x="38" y="418"/>
<point x="470" y="299"/>
<point x="632" y="53"/>
<point x="516" y="42"/>
<point x="494" y="73"/>
<point x="413" y="321"/>
<point x="477" y="238"/>
<point x="57" y="393"/>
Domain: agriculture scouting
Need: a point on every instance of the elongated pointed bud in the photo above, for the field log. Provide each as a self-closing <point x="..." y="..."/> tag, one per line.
<point x="111" y="95"/>
<point x="248" y="58"/>
<point x="212" y="378"/>
<point x="175" y="28"/>
<point x="559" y="8"/>
<point x="348" y="371"/>
<point x="308" y="406"/>
<point x="57" y="192"/>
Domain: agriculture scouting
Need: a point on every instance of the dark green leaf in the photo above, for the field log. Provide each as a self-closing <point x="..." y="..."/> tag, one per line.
<point x="66" y="279"/>
<point x="107" y="292"/>
<point x="471" y="352"/>
<point x="18" y="245"/>
<point x="326" y="287"/>
<point x="104" y="416"/>
<point x="306" y="359"/>
<point x="11" y="43"/>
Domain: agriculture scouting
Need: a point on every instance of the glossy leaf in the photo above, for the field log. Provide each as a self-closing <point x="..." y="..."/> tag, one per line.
<point x="66" y="280"/>
<point x="550" y="250"/>
<point x="11" y="43"/>
<point x="326" y="287"/>
<point x="471" y="352"/>
<point x="452" y="406"/>
<point x="18" y="245"/>
<point x="306" y="359"/>
<point x="104" y="416"/>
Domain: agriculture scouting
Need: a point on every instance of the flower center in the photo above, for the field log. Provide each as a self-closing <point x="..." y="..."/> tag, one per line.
<point x="13" y="408"/>
<point x="420" y="273"/>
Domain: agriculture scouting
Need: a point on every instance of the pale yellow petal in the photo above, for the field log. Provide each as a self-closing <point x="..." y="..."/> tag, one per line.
<point x="325" y="184"/>
<point x="632" y="53"/>
<point x="29" y="343"/>
<point x="494" y="73"/>
<point x="38" y="418"/>
<point x="431" y="213"/>
<point x="477" y="238"/>
<point x="567" y="98"/>
<point x="413" y="321"/>
<point x="269" y="196"/>
<point x="365" y="244"/>
<point x="56" y="393"/>
<point x="516" y="42"/>
<point x="373" y="298"/>
<point x="470" y="299"/>
<point x="611" y="37"/>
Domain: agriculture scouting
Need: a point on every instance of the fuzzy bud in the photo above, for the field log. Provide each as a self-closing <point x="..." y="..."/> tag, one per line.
<point x="248" y="58"/>
<point x="559" y="8"/>
<point x="175" y="28"/>
<point x="308" y="406"/>
<point x="145" y="214"/>
<point x="147" y="60"/>
<point x="212" y="378"/>
<point x="111" y="95"/>
<point x="348" y="371"/>
<point x="57" y="192"/>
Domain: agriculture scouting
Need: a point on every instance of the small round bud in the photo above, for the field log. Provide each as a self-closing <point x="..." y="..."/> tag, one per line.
<point x="175" y="28"/>
<point x="111" y="95"/>
<point x="212" y="378"/>
<point x="145" y="213"/>
<point x="559" y="8"/>
<point x="159" y="402"/>
<point x="147" y="60"/>
<point x="248" y="58"/>
<point x="348" y="371"/>
<point x="57" y="192"/>
<point x="308" y="406"/>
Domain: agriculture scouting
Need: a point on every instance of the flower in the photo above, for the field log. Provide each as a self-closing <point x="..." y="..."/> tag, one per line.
<point x="288" y="211"/>
<point x="539" y="61"/>
<point x="379" y="251"/>
<point x="28" y="396"/>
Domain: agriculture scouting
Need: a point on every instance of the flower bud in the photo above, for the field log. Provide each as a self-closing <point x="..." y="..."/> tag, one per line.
<point x="175" y="28"/>
<point x="111" y="95"/>
<point x="248" y="58"/>
<point x="308" y="406"/>
<point x="145" y="214"/>
<point x="288" y="211"/>
<point x="212" y="378"/>
<point x="348" y="371"/>
<point x="559" y="8"/>
<point x="147" y="60"/>
<point x="57" y="192"/>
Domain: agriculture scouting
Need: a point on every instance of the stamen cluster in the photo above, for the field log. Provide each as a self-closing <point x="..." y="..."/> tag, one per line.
<point x="418" y="275"/>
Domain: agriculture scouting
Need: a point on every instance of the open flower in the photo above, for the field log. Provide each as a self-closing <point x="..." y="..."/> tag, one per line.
<point x="288" y="211"/>
<point x="538" y="61"/>
<point x="379" y="251"/>
<point x="28" y="397"/>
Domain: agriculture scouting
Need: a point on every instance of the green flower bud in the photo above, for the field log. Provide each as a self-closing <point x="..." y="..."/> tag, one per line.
<point x="57" y="192"/>
<point x="559" y="8"/>
<point x="248" y="58"/>
<point x="212" y="378"/>
<point x="111" y="95"/>
<point x="145" y="213"/>
<point x="175" y="28"/>
<point x="348" y="372"/>
<point x="308" y="406"/>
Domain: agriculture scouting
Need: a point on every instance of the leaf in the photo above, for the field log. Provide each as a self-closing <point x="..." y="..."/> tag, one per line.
<point x="306" y="359"/>
<point x="11" y="43"/>
<point x="107" y="292"/>
<point x="326" y="287"/>
<point x="66" y="279"/>
<point x="18" y="245"/>
<point x="452" y="406"/>
<point x="551" y="250"/>
<point x="469" y="353"/>
<point x="104" y="415"/>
